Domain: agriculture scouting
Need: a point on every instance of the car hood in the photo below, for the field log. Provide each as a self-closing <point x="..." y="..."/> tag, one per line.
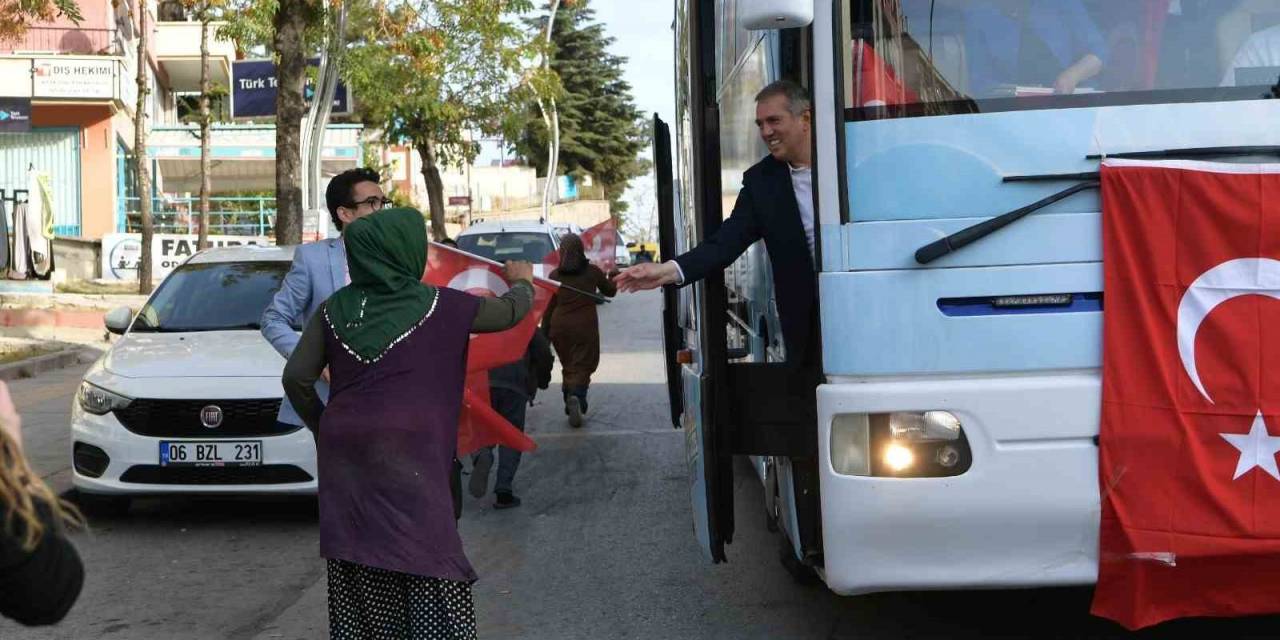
<point x="206" y="354"/>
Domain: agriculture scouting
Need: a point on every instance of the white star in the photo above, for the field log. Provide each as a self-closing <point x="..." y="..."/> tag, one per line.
<point x="1257" y="449"/>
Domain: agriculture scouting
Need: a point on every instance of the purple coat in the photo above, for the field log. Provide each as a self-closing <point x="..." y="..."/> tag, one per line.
<point x="386" y="448"/>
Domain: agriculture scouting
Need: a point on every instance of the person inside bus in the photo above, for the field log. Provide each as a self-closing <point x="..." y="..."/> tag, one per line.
<point x="774" y="205"/>
<point x="1257" y="61"/>
<point x="1016" y="46"/>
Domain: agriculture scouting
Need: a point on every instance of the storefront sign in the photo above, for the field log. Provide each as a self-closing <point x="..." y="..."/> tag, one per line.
<point x="73" y="78"/>
<point x="254" y="90"/>
<point x="122" y="252"/>
<point x="15" y="115"/>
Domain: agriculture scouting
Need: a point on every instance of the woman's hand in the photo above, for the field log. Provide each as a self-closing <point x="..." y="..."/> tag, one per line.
<point x="518" y="270"/>
<point x="10" y="421"/>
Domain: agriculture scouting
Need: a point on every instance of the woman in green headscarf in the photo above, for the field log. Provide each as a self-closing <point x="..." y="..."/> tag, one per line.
<point x="396" y="351"/>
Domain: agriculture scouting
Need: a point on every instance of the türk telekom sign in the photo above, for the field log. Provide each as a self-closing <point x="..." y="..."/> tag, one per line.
<point x="73" y="78"/>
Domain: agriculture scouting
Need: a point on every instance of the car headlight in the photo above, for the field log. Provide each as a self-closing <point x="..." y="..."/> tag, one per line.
<point x="99" y="401"/>
<point x="905" y="444"/>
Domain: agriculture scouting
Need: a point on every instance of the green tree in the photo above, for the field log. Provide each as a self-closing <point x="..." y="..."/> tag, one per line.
<point x="291" y="30"/>
<point x="601" y="130"/>
<point x="431" y="72"/>
<point x="206" y="11"/>
<point x="17" y="15"/>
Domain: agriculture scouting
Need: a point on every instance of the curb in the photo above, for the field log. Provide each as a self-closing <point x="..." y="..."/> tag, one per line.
<point x="31" y="367"/>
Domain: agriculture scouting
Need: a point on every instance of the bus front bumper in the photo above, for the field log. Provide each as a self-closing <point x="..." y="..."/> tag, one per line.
<point x="1024" y="514"/>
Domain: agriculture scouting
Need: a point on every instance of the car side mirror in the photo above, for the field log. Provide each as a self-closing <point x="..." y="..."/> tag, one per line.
<point x="118" y="319"/>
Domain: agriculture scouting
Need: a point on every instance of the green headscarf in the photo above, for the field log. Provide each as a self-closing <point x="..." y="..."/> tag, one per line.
<point x="386" y="257"/>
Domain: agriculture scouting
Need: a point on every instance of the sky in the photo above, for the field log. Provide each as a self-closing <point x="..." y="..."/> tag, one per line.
<point x="642" y="32"/>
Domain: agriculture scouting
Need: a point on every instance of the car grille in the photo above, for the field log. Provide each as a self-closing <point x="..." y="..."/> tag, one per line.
<point x="181" y="418"/>
<point x="261" y="474"/>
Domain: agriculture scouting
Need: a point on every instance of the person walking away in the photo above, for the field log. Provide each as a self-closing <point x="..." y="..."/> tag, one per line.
<point x="396" y="352"/>
<point x="511" y="391"/>
<point x="40" y="572"/>
<point x="573" y="325"/>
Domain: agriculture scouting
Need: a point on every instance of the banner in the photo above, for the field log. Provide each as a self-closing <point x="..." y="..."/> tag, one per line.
<point x="480" y="425"/>
<point x="253" y="90"/>
<point x="74" y="78"/>
<point x="122" y="252"/>
<point x="1190" y="392"/>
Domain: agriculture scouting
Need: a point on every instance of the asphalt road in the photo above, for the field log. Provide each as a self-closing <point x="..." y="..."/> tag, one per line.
<point x="601" y="548"/>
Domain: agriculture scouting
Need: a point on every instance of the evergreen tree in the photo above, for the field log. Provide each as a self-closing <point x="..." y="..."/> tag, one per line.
<point x="601" y="130"/>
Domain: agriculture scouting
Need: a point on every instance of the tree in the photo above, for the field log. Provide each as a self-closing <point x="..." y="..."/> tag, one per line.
<point x="432" y="72"/>
<point x="289" y="29"/>
<point x="601" y="130"/>
<point x="206" y="12"/>
<point x="17" y="15"/>
<point x="141" y="168"/>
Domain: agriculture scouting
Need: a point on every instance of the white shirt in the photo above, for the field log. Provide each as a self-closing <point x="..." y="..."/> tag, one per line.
<point x="802" y="184"/>
<point x="1262" y="49"/>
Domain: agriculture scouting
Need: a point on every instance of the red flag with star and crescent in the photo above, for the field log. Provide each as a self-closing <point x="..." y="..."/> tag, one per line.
<point x="480" y="426"/>
<point x="1191" y="391"/>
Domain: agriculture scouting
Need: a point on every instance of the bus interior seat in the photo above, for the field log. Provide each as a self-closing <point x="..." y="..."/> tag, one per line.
<point x="1234" y="28"/>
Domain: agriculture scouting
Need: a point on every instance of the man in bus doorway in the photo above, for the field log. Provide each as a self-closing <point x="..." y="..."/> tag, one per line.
<point x="776" y="205"/>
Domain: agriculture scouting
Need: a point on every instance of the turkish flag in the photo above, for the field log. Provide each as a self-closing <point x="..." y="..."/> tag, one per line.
<point x="878" y="83"/>
<point x="1190" y="391"/>
<point x="481" y="426"/>
<point x="601" y="244"/>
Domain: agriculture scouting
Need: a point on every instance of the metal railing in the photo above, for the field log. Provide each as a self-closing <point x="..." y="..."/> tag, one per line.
<point x="228" y="215"/>
<point x="66" y="40"/>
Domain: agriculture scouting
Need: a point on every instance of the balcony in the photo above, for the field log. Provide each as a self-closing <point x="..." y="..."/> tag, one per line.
<point x="67" y="40"/>
<point x="178" y="51"/>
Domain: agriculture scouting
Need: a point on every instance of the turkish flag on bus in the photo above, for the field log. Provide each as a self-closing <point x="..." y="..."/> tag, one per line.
<point x="1190" y="391"/>
<point x="480" y="425"/>
<point x="877" y="84"/>
<point x="601" y="245"/>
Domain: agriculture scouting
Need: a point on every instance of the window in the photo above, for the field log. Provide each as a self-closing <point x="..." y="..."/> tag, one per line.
<point x="213" y="297"/>
<point x="936" y="57"/>
<point x="531" y="247"/>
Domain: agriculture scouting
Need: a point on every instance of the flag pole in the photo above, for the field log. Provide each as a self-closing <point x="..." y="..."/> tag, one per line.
<point x="445" y="247"/>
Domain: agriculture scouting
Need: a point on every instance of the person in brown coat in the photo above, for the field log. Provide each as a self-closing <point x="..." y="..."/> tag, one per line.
<point x="572" y="324"/>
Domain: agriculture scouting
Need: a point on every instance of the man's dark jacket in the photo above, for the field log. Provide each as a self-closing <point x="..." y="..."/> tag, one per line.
<point x="766" y="209"/>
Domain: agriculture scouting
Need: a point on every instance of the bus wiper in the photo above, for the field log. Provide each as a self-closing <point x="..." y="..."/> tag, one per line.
<point x="1089" y="180"/>
<point x="969" y="235"/>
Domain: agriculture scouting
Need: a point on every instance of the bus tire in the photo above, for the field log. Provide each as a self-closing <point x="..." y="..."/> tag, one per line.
<point x="771" y="509"/>
<point x="801" y="573"/>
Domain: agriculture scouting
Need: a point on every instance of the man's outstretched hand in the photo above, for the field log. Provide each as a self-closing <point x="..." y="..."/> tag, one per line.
<point x="647" y="276"/>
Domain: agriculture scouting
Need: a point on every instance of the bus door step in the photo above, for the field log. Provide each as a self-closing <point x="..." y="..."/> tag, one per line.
<point x="770" y="413"/>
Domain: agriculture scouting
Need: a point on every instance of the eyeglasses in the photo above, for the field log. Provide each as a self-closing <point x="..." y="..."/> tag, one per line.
<point x="374" y="202"/>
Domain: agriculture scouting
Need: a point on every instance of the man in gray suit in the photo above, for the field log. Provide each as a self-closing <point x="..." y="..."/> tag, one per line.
<point x="318" y="270"/>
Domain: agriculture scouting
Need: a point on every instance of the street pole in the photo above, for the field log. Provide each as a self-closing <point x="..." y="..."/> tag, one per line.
<point x="318" y="113"/>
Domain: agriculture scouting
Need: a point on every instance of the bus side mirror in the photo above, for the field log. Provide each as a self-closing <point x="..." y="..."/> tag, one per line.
<point x="764" y="15"/>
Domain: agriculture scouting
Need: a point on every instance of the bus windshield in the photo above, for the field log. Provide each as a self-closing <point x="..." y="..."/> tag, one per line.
<point x="908" y="58"/>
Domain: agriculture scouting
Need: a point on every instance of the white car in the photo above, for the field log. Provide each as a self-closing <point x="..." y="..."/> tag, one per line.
<point x="185" y="401"/>
<point x="528" y="240"/>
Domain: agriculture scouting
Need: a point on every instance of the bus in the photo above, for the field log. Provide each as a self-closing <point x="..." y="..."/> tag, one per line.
<point x="959" y="265"/>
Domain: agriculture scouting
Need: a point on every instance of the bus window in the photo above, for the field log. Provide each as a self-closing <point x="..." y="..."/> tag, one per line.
<point x="936" y="57"/>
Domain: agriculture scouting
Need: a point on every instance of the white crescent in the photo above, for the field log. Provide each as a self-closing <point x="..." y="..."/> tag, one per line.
<point x="1227" y="281"/>
<point x="479" y="281"/>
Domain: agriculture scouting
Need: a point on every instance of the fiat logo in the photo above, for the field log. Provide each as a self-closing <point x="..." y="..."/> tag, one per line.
<point x="211" y="416"/>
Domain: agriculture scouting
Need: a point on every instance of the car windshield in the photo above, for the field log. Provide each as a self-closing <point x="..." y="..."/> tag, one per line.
<point x="503" y="246"/>
<point x="218" y="296"/>
<point x="937" y="57"/>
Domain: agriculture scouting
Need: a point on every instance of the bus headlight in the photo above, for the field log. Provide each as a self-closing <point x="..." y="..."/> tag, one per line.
<point x="906" y="444"/>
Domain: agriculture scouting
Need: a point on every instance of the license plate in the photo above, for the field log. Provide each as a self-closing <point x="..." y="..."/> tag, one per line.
<point x="221" y="453"/>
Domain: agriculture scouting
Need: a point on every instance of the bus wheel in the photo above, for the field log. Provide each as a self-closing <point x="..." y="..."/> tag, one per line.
<point x="771" y="511"/>
<point x="800" y="572"/>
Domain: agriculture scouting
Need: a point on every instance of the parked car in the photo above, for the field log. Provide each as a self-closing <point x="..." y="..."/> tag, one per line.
<point x="185" y="401"/>
<point x="529" y="240"/>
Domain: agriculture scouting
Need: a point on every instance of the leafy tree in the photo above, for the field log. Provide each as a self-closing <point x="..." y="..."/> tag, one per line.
<point x="17" y="15"/>
<point x="601" y="130"/>
<point x="206" y="11"/>
<point x="290" y="30"/>
<point x="142" y="168"/>
<point x="432" y="72"/>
